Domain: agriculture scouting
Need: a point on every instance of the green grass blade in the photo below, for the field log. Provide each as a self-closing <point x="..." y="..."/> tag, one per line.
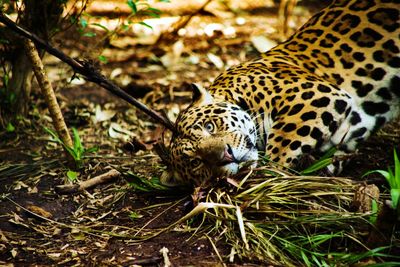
<point x="57" y="139"/>
<point x="305" y="258"/>
<point x="329" y="153"/>
<point x="145" y="185"/>
<point x="78" y="148"/>
<point x="396" y="170"/>
<point x="395" y="195"/>
<point x="92" y="150"/>
<point x="54" y="135"/>
<point x="385" y="264"/>
<point x="322" y="163"/>
<point x="381" y="172"/>
<point x="374" y="209"/>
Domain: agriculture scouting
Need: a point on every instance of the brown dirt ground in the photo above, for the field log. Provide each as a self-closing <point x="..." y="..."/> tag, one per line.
<point x="82" y="229"/>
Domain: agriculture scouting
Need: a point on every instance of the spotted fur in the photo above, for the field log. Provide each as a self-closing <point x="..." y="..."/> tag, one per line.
<point x="333" y="83"/>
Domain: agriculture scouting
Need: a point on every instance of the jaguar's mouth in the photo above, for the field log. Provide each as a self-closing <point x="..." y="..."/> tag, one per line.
<point x="230" y="159"/>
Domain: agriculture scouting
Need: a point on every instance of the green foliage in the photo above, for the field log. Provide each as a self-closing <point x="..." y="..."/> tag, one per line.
<point x="355" y="258"/>
<point x="137" y="7"/>
<point x="374" y="212"/>
<point x="323" y="162"/>
<point x="142" y="7"/>
<point x="7" y="97"/>
<point x="10" y="127"/>
<point x="102" y="59"/>
<point x="134" y="215"/>
<point x="77" y="152"/>
<point x="393" y="179"/>
<point x="72" y="175"/>
<point x="145" y="185"/>
<point x="132" y="5"/>
<point x="82" y="27"/>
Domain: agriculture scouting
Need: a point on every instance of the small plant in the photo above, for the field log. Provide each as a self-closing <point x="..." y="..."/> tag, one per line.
<point x="138" y="8"/>
<point x="72" y="175"/>
<point x="10" y="127"/>
<point x="393" y="178"/>
<point x="142" y="7"/>
<point x="133" y="215"/>
<point x="77" y="152"/>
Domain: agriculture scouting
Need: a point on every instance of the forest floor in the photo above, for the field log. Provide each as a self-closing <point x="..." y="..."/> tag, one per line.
<point x="110" y="224"/>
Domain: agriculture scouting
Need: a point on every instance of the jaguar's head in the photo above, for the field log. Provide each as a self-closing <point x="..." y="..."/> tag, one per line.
<point x="213" y="139"/>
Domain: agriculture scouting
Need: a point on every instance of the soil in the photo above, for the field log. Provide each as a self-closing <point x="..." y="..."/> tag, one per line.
<point x="111" y="223"/>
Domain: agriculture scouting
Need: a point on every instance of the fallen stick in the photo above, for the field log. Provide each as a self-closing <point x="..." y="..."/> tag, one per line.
<point x="88" y="70"/>
<point x="75" y="188"/>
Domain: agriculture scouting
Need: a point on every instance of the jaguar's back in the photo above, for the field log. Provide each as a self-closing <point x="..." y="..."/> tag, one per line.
<point x="333" y="83"/>
<point x="355" y="45"/>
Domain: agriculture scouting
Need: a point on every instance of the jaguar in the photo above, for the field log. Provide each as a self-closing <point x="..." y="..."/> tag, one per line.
<point x="334" y="82"/>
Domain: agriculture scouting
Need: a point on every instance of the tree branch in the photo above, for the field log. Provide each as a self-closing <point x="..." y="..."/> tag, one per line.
<point x="86" y="69"/>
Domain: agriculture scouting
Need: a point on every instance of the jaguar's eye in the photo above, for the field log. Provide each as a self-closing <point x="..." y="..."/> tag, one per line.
<point x="209" y="126"/>
<point x="195" y="163"/>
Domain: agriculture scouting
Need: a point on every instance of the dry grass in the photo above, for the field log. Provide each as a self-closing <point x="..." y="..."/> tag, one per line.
<point x="273" y="217"/>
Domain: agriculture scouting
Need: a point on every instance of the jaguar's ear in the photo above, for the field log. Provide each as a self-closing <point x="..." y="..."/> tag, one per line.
<point x="201" y="96"/>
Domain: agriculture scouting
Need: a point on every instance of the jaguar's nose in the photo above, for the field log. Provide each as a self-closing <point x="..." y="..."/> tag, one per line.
<point x="228" y="156"/>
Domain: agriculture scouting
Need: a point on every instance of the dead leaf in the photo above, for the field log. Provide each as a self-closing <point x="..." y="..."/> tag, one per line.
<point x="240" y="21"/>
<point x="14" y="252"/>
<point x="54" y="256"/>
<point x="262" y="43"/>
<point x="19" y="185"/>
<point x="39" y="211"/>
<point x="33" y="190"/>
<point x="17" y="218"/>
<point x="171" y="59"/>
<point x="216" y="60"/>
<point x="3" y="237"/>
<point x="78" y="80"/>
<point x="213" y="27"/>
<point x="229" y="32"/>
<point x="116" y="131"/>
<point x="57" y="231"/>
<point x="115" y="72"/>
<point x="103" y="115"/>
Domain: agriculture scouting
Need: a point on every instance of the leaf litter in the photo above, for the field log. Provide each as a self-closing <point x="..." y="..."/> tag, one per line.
<point x="134" y="221"/>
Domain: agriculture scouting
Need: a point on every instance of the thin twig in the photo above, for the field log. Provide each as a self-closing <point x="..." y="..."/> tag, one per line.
<point x="86" y="69"/>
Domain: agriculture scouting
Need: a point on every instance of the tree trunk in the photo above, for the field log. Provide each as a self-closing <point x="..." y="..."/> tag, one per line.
<point x="40" y="17"/>
<point x="20" y="83"/>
